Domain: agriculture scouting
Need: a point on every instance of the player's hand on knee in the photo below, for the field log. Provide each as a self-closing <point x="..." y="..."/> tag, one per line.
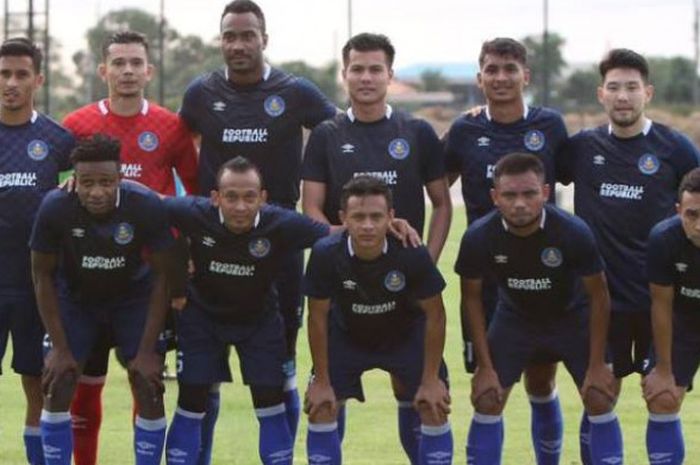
<point x="400" y="229"/>
<point x="178" y="303"/>
<point x="145" y="371"/>
<point x="601" y="378"/>
<point x="319" y="397"/>
<point x="658" y="382"/>
<point x="59" y="366"/>
<point x="434" y="397"/>
<point x="486" y="386"/>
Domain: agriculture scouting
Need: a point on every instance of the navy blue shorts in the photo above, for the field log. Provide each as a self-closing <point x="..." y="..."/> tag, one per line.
<point x="489" y="300"/>
<point x="204" y="343"/>
<point x="19" y="316"/>
<point x="515" y="342"/>
<point x="686" y="348"/>
<point x="347" y="362"/>
<point x="629" y="342"/>
<point x="123" y="321"/>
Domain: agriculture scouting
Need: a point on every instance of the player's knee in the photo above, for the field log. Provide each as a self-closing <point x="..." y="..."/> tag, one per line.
<point x="61" y="392"/>
<point x="266" y="396"/>
<point x="149" y="397"/>
<point x="431" y="417"/>
<point x="540" y="379"/>
<point x="597" y="403"/>
<point x="664" y="403"/>
<point x="193" y="397"/>
<point x="488" y="403"/>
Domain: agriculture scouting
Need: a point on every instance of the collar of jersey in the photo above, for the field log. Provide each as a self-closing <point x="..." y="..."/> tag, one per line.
<point x="102" y="105"/>
<point x="645" y="129"/>
<point x="267" y="69"/>
<point x="255" y="223"/>
<point x="542" y="220"/>
<point x="351" y="251"/>
<point x="387" y="114"/>
<point x="526" y="111"/>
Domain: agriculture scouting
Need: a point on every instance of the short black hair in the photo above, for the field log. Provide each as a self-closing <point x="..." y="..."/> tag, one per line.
<point x="238" y="164"/>
<point x="624" y="58"/>
<point x="245" y="6"/>
<point x="690" y="183"/>
<point x="124" y="37"/>
<point x="22" y="47"/>
<point x="365" y="185"/>
<point x="99" y="147"/>
<point x="369" y="42"/>
<point x="503" y="47"/>
<point x="518" y="163"/>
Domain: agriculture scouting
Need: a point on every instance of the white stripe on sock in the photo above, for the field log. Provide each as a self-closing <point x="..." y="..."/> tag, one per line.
<point x="151" y="425"/>
<point x="32" y="431"/>
<point x="604" y="418"/>
<point x="187" y="414"/>
<point x="290" y="383"/>
<point x="435" y="430"/>
<point x="404" y="403"/>
<point x="270" y="411"/>
<point x="664" y="417"/>
<point x="323" y="427"/>
<point x="54" y="417"/>
<point x="544" y="399"/>
<point x="486" y="419"/>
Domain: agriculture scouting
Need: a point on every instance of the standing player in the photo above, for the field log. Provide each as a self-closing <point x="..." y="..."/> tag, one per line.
<point x="90" y="277"/>
<point x="34" y="150"/>
<point x="473" y="146"/>
<point x="542" y="259"/>
<point x="250" y="109"/>
<point x="374" y="304"/>
<point x="154" y="142"/>
<point x="673" y="267"/>
<point x="626" y="175"/>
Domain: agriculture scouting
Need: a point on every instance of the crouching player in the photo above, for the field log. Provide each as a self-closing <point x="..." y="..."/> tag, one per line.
<point x="366" y="293"/>
<point x="90" y="277"/>
<point x="673" y="267"/>
<point x="542" y="259"/>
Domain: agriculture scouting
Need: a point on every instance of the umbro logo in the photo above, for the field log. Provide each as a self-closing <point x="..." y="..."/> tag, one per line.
<point x="599" y="160"/>
<point x="319" y="459"/>
<point x="681" y="267"/>
<point x="208" y="241"/>
<point x="350" y="285"/>
<point x="348" y="148"/>
<point x="219" y="106"/>
<point x="500" y="259"/>
<point x="176" y="453"/>
<point x="483" y="141"/>
<point x="614" y="460"/>
<point x="144" y="445"/>
<point x="78" y="232"/>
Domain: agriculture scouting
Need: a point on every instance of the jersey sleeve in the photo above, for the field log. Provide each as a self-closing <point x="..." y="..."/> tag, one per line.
<point x="426" y="278"/>
<point x="317" y="107"/>
<point x="583" y="254"/>
<point x="318" y="279"/>
<point x="189" y="111"/>
<point x="64" y="147"/>
<point x="158" y="234"/>
<point x="46" y="232"/>
<point x="185" y="157"/>
<point x="686" y="156"/>
<point x="315" y="164"/>
<point x="432" y="161"/>
<point x="450" y="144"/>
<point x="179" y="211"/>
<point x="565" y="159"/>
<point x="660" y="266"/>
<point x="472" y="256"/>
<point x="303" y="232"/>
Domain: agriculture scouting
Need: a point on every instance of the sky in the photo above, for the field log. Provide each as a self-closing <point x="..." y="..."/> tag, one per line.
<point x="422" y="32"/>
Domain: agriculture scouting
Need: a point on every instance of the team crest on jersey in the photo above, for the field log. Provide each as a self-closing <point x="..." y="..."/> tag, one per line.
<point x="648" y="164"/>
<point x="274" y="105"/>
<point x="37" y="150"/>
<point x="395" y="281"/>
<point x="551" y="257"/>
<point x="259" y="247"/>
<point x="534" y="140"/>
<point x="123" y="234"/>
<point x="148" y="141"/>
<point x="399" y="149"/>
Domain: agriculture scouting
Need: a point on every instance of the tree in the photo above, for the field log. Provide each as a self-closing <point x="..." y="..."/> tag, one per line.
<point x="432" y="80"/>
<point x="325" y="77"/>
<point x="554" y="60"/>
<point x="673" y="79"/>
<point x="578" y="91"/>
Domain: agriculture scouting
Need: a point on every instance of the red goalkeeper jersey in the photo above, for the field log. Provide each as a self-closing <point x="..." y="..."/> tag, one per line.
<point x="154" y="142"/>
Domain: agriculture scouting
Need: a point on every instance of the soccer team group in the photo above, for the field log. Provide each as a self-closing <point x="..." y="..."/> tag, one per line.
<point x="115" y="258"/>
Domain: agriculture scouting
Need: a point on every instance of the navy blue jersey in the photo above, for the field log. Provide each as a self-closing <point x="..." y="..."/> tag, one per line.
<point x="474" y="144"/>
<point x="672" y="260"/>
<point x="623" y="187"/>
<point x="262" y="122"/>
<point x="234" y="273"/>
<point x="539" y="275"/>
<point x="102" y="259"/>
<point x="401" y="150"/>
<point x="373" y="302"/>
<point x="31" y="156"/>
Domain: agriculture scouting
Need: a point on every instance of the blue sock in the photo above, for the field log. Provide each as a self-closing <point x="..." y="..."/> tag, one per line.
<point x="665" y="440"/>
<point x="32" y="445"/>
<point x="56" y="437"/>
<point x="409" y="430"/>
<point x="584" y="440"/>
<point x="208" y="423"/>
<point x="276" y="446"/>
<point x="183" y="446"/>
<point x="485" y="440"/>
<point x="436" y="445"/>
<point x="292" y="405"/>
<point x="323" y="444"/>
<point x="149" y="438"/>
<point x="606" y="439"/>
<point x="547" y="428"/>
<point x="341" y="422"/>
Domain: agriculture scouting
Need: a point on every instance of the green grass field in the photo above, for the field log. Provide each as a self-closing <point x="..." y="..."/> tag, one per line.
<point x="371" y="437"/>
